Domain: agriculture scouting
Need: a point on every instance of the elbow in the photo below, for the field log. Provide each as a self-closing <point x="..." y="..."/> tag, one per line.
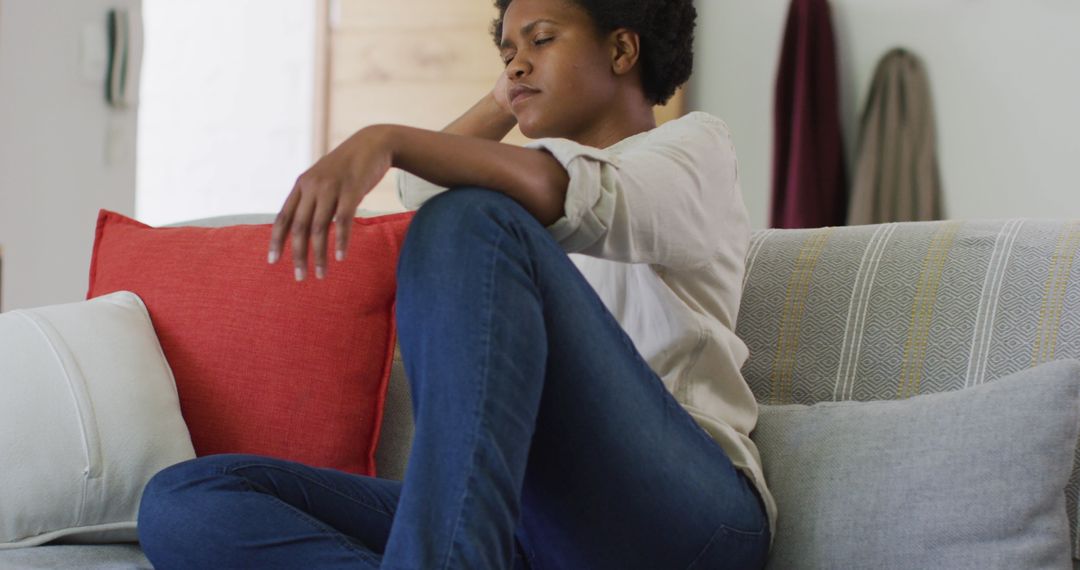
<point x="549" y="190"/>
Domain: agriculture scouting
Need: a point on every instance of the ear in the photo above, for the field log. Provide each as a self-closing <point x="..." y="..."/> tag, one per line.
<point x="625" y="50"/>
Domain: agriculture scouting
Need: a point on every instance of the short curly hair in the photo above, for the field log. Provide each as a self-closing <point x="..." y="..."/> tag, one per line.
<point x="666" y="28"/>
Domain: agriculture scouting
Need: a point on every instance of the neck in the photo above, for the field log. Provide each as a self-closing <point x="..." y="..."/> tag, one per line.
<point x="626" y="116"/>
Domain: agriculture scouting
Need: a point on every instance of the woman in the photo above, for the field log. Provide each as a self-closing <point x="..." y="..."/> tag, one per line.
<point x="583" y="412"/>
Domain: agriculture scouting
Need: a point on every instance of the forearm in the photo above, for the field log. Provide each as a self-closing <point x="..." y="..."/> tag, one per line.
<point x="532" y="177"/>
<point x="485" y="120"/>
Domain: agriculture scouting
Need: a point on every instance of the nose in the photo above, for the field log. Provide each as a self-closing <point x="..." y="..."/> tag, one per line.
<point x="517" y="68"/>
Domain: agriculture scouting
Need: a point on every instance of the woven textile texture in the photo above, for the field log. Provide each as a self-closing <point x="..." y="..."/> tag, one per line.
<point x="889" y="311"/>
<point x="904" y="484"/>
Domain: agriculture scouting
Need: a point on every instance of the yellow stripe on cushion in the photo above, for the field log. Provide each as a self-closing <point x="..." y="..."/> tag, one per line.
<point x="1057" y="280"/>
<point x="794" y="307"/>
<point x="922" y="310"/>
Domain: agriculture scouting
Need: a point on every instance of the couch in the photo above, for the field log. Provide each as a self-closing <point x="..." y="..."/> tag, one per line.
<point x="879" y="312"/>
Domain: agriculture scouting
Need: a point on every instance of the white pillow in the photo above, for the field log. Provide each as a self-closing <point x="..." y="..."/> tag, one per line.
<point x="88" y="413"/>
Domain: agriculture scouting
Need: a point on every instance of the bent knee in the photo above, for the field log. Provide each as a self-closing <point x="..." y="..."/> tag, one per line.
<point x="462" y="217"/>
<point x="184" y="474"/>
<point x="168" y="499"/>
<point x="467" y="203"/>
<point x="173" y="485"/>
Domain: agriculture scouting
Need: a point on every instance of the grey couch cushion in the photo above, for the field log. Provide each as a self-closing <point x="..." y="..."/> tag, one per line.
<point x="889" y="311"/>
<point x="395" y="436"/>
<point x="83" y="557"/>
<point x="973" y="478"/>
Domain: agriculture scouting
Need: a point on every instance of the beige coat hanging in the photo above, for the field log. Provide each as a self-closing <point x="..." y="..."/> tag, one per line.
<point x="896" y="169"/>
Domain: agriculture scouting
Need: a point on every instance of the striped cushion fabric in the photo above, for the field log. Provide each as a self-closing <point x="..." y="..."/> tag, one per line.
<point x="890" y="311"/>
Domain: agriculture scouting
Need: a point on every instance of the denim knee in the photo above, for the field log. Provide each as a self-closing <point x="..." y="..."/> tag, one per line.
<point x="180" y="476"/>
<point x="462" y="208"/>
<point x="466" y="200"/>
<point x="458" y="219"/>
<point x="169" y="490"/>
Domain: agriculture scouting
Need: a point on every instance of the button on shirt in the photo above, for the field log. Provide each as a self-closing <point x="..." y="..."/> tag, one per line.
<point x="657" y="225"/>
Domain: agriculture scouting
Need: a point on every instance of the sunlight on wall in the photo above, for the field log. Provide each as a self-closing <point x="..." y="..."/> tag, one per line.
<point x="226" y="106"/>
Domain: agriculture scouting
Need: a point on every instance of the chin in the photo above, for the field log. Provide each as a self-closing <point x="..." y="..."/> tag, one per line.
<point x="527" y="126"/>
<point x="534" y="128"/>
<point x="529" y="131"/>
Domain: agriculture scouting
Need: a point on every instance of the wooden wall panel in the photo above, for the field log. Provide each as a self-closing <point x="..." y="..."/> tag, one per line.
<point x="415" y="14"/>
<point x="439" y="54"/>
<point x="414" y="62"/>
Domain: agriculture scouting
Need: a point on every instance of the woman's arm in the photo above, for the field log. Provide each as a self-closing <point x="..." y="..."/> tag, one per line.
<point x="331" y="190"/>
<point x="487" y="119"/>
<point x="532" y="177"/>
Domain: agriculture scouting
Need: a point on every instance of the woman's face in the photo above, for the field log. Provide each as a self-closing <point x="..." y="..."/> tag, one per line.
<point x="558" y="68"/>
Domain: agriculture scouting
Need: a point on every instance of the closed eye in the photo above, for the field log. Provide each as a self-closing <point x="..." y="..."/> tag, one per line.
<point x="537" y="42"/>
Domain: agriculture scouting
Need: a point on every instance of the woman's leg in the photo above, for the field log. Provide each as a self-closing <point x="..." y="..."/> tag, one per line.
<point x="536" y="416"/>
<point x="247" y="511"/>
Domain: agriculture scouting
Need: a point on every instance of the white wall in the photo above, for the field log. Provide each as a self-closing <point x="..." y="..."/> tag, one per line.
<point x="227" y="108"/>
<point x="63" y="152"/>
<point x="1004" y="76"/>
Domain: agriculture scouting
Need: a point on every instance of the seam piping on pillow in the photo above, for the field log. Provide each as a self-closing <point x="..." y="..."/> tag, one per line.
<point x="384" y="388"/>
<point x="87" y="421"/>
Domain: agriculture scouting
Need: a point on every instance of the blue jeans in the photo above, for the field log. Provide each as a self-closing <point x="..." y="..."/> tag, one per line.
<point x="543" y="439"/>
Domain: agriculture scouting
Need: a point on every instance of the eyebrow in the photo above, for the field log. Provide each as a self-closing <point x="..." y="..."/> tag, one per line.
<point x="526" y="29"/>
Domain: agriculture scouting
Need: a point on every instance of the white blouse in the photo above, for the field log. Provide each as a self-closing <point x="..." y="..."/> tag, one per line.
<point x="657" y="225"/>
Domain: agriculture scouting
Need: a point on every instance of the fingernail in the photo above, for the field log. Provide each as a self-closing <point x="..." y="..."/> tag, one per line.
<point x="272" y="257"/>
<point x="320" y="273"/>
<point x="339" y="255"/>
<point x="299" y="274"/>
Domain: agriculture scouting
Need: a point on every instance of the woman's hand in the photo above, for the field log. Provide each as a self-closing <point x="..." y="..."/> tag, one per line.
<point x="330" y="191"/>
<point x="490" y="118"/>
<point x="500" y="93"/>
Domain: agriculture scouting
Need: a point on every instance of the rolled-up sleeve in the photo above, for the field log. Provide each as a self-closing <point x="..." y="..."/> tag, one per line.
<point x="660" y="201"/>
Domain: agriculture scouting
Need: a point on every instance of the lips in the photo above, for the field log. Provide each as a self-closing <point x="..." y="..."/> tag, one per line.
<point x="520" y="92"/>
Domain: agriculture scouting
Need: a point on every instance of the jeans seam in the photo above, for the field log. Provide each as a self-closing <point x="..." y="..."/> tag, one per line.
<point x="328" y="530"/>
<point x="724" y="529"/>
<point x="705" y="548"/>
<point x="481" y="388"/>
<point x="230" y="469"/>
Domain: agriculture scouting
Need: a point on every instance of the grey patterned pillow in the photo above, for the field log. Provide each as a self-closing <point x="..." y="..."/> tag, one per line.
<point x="973" y="478"/>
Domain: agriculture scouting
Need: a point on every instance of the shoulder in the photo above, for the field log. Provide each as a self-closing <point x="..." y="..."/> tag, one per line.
<point x="701" y="119"/>
<point x="700" y="138"/>
<point x="696" y="131"/>
<point x="696" y="135"/>
<point x="696" y="122"/>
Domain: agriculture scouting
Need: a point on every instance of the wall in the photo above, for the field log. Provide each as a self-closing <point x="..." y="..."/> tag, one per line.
<point x="63" y="152"/>
<point x="227" y="111"/>
<point x="1003" y="76"/>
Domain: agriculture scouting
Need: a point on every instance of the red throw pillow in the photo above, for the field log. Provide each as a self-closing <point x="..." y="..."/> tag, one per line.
<point x="265" y="364"/>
